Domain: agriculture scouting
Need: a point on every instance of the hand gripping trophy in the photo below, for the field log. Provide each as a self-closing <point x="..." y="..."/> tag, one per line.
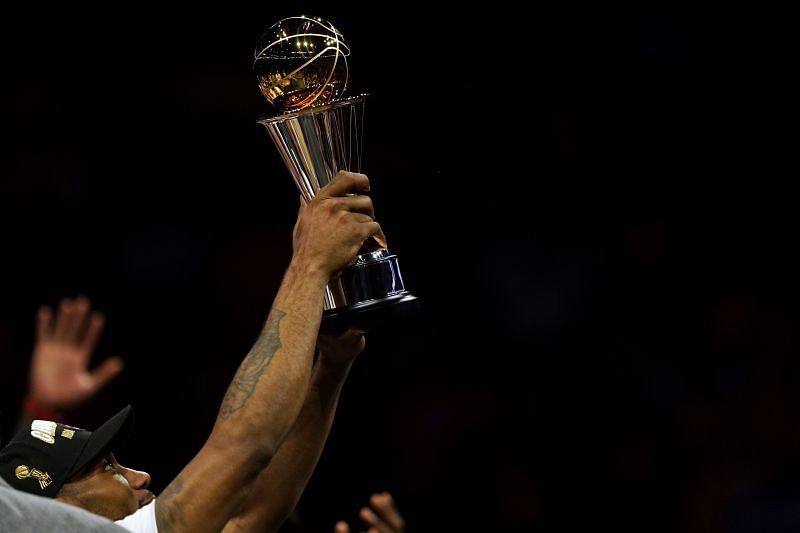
<point x="301" y="66"/>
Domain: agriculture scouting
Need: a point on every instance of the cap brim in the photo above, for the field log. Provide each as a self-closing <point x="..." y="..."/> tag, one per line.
<point x="104" y="438"/>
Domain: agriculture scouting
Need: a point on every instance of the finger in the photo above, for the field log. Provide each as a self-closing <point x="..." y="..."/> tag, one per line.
<point x="372" y="520"/>
<point x="63" y="319"/>
<point x="368" y="229"/>
<point x="44" y="323"/>
<point x="357" y="204"/>
<point x="343" y="183"/>
<point x="360" y="219"/>
<point x="386" y="509"/>
<point x="80" y="319"/>
<point x="380" y="238"/>
<point x="357" y="217"/>
<point x="341" y="527"/>
<point x="96" y="324"/>
<point x="108" y="370"/>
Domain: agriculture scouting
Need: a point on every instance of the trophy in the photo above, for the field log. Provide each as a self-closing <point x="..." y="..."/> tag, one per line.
<point x="301" y="66"/>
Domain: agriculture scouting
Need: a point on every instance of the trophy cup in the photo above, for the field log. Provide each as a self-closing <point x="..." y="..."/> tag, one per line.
<point x="301" y="66"/>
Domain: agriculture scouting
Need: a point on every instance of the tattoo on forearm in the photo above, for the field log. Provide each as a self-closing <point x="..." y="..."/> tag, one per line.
<point x="169" y="517"/>
<point x="259" y="358"/>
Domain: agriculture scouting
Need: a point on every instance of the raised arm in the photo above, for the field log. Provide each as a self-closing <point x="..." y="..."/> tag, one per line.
<point x="267" y="392"/>
<point x="279" y="487"/>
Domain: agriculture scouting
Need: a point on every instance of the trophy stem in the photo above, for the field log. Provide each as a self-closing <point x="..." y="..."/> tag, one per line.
<point x="318" y="142"/>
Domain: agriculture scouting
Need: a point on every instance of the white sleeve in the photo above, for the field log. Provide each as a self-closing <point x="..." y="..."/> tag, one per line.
<point x="142" y="521"/>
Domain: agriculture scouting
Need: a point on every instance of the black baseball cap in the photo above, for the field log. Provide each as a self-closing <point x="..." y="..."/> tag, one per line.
<point x="40" y="459"/>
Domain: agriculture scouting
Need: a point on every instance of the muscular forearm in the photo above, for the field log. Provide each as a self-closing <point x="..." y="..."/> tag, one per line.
<point x="258" y="411"/>
<point x="269" y="387"/>
<point x="279" y="487"/>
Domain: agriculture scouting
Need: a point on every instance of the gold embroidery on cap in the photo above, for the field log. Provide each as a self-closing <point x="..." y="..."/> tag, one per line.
<point x="68" y="433"/>
<point x="22" y="472"/>
<point x="44" y="430"/>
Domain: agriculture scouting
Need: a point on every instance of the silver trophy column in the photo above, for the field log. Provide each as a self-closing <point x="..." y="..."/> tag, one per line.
<point x="316" y="143"/>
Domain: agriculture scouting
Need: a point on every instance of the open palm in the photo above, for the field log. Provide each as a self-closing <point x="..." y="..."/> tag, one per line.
<point x="60" y="376"/>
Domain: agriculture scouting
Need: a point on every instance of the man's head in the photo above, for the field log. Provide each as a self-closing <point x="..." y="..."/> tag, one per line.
<point x="76" y="466"/>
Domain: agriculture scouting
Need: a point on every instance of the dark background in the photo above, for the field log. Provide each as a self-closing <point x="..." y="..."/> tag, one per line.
<point x="591" y="205"/>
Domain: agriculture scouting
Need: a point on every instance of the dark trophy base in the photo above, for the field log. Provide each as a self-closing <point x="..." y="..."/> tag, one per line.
<point x="370" y="291"/>
<point x="371" y="313"/>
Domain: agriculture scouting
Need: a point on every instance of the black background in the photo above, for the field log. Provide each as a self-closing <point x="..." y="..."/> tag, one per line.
<point x="592" y="206"/>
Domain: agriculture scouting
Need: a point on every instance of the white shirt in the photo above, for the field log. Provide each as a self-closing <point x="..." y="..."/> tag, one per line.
<point x="142" y="521"/>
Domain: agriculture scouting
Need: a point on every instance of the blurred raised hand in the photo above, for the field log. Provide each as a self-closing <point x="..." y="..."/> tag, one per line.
<point x="60" y="378"/>
<point x="382" y="516"/>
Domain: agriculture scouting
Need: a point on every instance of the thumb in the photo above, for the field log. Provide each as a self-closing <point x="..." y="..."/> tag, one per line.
<point x="108" y="370"/>
<point x="341" y="527"/>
